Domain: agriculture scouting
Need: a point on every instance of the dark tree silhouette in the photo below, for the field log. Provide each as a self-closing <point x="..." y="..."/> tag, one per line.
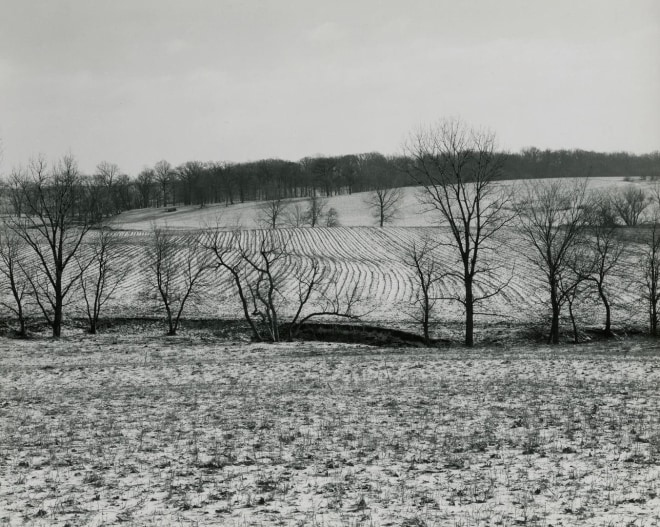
<point x="15" y="268"/>
<point x="178" y="265"/>
<point x="427" y="273"/>
<point x="458" y="169"/>
<point x="552" y="220"/>
<point x="260" y="272"/>
<point x="605" y="250"/>
<point x="384" y="204"/>
<point x="630" y="204"/>
<point x="102" y="271"/>
<point x="272" y="214"/>
<point x="144" y="183"/>
<point x="649" y="263"/>
<point x="55" y="216"/>
<point x="164" y="176"/>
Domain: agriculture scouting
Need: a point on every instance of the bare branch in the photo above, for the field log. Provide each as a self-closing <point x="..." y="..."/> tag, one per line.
<point x="553" y="219"/>
<point x="458" y="168"/>
<point x="178" y="266"/>
<point x="52" y="214"/>
<point x="384" y="204"/>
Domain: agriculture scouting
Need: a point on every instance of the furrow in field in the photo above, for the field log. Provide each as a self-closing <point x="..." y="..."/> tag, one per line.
<point x="371" y="259"/>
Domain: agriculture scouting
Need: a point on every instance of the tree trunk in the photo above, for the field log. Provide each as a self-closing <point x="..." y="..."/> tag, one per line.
<point x="556" y="308"/>
<point x="554" y="326"/>
<point x="170" y="322"/>
<point x="57" y="315"/>
<point x="57" y="321"/>
<point x="608" y="311"/>
<point x="469" y="313"/>
<point x="654" y="303"/>
<point x="576" y="338"/>
<point x="22" y="332"/>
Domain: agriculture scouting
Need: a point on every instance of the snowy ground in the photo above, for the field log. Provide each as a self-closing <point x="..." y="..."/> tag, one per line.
<point x="351" y="209"/>
<point x="148" y="430"/>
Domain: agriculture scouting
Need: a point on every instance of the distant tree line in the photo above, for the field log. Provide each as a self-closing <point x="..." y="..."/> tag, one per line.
<point x="533" y="163"/>
<point x="200" y="184"/>
<point x="197" y="183"/>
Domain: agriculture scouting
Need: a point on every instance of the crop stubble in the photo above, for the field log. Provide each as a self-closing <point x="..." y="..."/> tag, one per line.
<point x="159" y="430"/>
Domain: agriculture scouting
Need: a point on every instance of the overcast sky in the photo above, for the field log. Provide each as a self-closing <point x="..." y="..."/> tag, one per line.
<point x="135" y="81"/>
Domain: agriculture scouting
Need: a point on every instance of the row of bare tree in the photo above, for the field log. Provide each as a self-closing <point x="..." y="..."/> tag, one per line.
<point x="52" y="247"/>
<point x="312" y="212"/>
<point x="568" y="233"/>
<point x="181" y="266"/>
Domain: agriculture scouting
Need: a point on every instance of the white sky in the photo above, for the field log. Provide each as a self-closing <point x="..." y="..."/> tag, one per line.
<point x="135" y="81"/>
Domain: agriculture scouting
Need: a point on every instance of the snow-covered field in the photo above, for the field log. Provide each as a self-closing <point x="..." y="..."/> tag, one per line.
<point x="351" y="209"/>
<point x="355" y="254"/>
<point x="371" y="259"/>
<point x="141" y="429"/>
<point x="133" y="427"/>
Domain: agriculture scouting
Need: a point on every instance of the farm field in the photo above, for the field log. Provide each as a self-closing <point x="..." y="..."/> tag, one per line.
<point x="359" y="255"/>
<point x="351" y="210"/>
<point x="371" y="259"/>
<point x="141" y="429"/>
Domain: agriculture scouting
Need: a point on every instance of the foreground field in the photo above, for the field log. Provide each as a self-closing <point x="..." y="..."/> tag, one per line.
<point x="149" y="430"/>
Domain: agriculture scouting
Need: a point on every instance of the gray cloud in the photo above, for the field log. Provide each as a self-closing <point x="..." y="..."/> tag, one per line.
<point x="134" y="82"/>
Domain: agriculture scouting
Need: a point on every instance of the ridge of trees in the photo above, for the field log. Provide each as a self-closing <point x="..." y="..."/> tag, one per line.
<point x="197" y="183"/>
<point x="203" y="183"/>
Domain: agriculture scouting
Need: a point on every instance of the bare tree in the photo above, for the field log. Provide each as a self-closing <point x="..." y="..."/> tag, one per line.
<point x="295" y="216"/>
<point x="144" y="183"/>
<point x="552" y="220"/>
<point x="227" y="249"/>
<point x="427" y="272"/>
<point x="570" y="289"/>
<point x="606" y="249"/>
<point x="332" y="218"/>
<point x="164" y="174"/>
<point x="106" y="177"/>
<point x="55" y="218"/>
<point x="178" y="266"/>
<point x="315" y="289"/>
<point x="261" y="272"/>
<point x="630" y="204"/>
<point x="457" y="168"/>
<point x="655" y="194"/>
<point x="271" y="214"/>
<point x="102" y="272"/>
<point x="649" y="262"/>
<point x="573" y="285"/>
<point x="266" y="282"/>
<point x="124" y="193"/>
<point x="315" y="210"/>
<point x="384" y="204"/>
<point x="15" y="268"/>
<point x="190" y="175"/>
